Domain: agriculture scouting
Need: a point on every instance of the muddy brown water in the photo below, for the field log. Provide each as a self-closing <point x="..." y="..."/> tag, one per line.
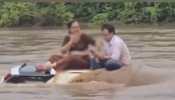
<point x="149" y="47"/>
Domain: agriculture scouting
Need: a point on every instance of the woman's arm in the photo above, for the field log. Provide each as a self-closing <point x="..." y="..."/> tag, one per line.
<point x="69" y="41"/>
<point x="84" y="52"/>
<point x="66" y="47"/>
<point x="80" y="53"/>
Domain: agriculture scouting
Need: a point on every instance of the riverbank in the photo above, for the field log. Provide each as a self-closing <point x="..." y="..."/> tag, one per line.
<point x="30" y="13"/>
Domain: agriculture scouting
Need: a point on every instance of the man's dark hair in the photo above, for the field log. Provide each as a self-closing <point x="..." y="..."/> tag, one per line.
<point x="108" y="27"/>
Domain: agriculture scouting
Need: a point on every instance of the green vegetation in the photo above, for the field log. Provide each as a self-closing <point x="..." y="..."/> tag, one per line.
<point x="27" y="13"/>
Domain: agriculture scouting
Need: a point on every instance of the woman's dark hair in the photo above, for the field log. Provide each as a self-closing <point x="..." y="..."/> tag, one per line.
<point x="108" y="27"/>
<point x="69" y="24"/>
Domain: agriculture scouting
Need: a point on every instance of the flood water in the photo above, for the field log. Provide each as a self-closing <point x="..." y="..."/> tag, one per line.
<point x="153" y="47"/>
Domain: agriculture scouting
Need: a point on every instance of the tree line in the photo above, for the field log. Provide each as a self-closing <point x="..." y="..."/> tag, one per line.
<point x="27" y="13"/>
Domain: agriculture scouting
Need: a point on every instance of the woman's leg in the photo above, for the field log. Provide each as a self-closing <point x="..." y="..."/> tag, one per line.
<point x="71" y="62"/>
<point x="55" y="58"/>
<point x="51" y="63"/>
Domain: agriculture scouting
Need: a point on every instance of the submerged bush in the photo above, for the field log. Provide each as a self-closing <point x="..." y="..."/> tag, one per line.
<point x="53" y="14"/>
<point x="12" y="13"/>
<point x="100" y="18"/>
<point x="27" y="13"/>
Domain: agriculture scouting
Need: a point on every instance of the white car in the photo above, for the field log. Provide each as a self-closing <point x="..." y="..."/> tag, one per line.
<point x="24" y="73"/>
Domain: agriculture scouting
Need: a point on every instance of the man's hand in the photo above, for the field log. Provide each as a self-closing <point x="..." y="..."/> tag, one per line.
<point x="102" y="56"/>
<point x="92" y="49"/>
<point x="106" y="57"/>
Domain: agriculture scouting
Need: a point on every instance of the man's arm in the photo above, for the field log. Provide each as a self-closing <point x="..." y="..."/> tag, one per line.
<point x="116" y="50"/>
<point x="101" y="56"/>
<point x="96" y="53"/>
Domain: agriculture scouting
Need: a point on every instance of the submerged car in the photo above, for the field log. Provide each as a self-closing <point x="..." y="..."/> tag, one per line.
<point x="25" y="73"/>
